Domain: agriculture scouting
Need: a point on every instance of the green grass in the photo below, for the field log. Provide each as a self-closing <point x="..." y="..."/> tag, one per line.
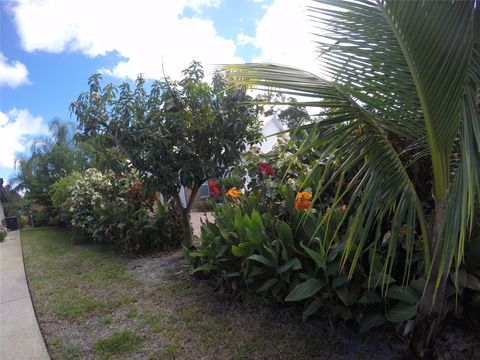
<point x="91" y="305"/>
<point x="119" y="343"/>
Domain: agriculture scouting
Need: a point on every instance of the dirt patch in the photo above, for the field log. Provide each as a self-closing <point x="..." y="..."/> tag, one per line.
<point x="160" y="269"/>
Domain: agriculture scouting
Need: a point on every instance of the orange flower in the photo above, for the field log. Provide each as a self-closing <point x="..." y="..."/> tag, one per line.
<point x="233" y="192"/>
<point x="343" y="208"/>
<point x="302" y="200"/>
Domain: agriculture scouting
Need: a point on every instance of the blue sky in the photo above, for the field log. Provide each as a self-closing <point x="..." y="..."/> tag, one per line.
<point x="49" y="48"/>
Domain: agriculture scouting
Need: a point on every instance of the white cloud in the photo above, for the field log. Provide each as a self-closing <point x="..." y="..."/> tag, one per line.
<point x="283" y="36"/>
<point x="12" y="74"/>
<point x="15" y="126"/>
<point x="244" y="39"/>
<point x="148" y="34"/>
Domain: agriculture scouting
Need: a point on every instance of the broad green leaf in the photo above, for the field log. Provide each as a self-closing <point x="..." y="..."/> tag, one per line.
<point x="205" y="267"/>
<point x="405" y="294"/>
<point x="240" y="251"/>
<point x="262" y="259"/>
<point x="472" y="282"/>
<point x="232" y="274"/>
<point x="257" y="219"/>
<point x="340" y="280"/>
<point x="348" y="296"/>
<point x="293" y="264"/>
<point x="312" y="308"/>
<point x="418" y="285"/>
<point x="285" y="234"/>
<point x="267" y="285"/>
<point x="401" y="312"/>
<point x="305" y="290"/>
<point x="370" y="321"/>
<point x="254" y="236"/>
<point x="369" y="297"/>
<point x="316" y="256"/>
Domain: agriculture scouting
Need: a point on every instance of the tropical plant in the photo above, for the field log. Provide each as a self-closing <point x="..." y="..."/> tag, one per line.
<point x="50" y="158"/>
<point x="276" y="246"/>
<point x="3" y="232"/>
<point x="180" y="134"/>
<point x="399" y="94"/>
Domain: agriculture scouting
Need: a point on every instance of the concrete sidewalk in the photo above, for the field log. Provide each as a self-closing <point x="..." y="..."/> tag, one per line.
<point x="20" y="337"/>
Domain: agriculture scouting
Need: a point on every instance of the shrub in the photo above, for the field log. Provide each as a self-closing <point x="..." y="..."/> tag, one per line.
<point x="116" y="210"/>
<point x="41" y="215"/>
<point x="60" y="192"/>
<point x="276" y="241"/>
<point x="3" y="232"/>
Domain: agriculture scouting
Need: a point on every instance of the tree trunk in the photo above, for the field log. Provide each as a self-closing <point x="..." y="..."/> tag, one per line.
<point x="431" y="311"/>
<point x="185" y="212"/>
<point x="187" y="229"/>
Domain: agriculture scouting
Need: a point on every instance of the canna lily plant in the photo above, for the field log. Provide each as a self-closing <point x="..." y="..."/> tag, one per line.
<point x="398" y="97"/>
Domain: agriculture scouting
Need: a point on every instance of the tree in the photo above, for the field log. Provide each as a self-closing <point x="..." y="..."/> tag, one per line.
<point x="180" y="134"/>
<point x="400" y="90"/>
<point x="292" y="114"/>
<point x="49" y="159"/>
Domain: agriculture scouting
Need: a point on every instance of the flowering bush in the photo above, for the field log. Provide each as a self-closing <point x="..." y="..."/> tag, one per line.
<point x="88" y="193"/>
<point x="3" y="232"/>
<point x="115" y="209"/>
<point x="275" y="240"/>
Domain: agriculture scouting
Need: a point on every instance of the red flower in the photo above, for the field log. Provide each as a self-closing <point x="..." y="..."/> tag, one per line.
<point x="213" y="188"/>
<point x="265" y="169"/>
<point x="215" y="191"/>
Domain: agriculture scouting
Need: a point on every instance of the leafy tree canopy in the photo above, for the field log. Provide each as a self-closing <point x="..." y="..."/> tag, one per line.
<point x="180" y="133"/>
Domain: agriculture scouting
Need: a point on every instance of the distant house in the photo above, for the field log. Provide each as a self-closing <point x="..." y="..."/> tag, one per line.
<point x="3" y="199"/>
<point x="271" y="126"/>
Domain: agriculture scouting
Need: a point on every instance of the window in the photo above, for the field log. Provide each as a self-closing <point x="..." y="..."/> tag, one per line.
<point x="204" y="191"/>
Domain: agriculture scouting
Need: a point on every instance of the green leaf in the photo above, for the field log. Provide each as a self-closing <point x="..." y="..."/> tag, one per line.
<point x="405" y="294"/>
<point x="370" y="321"/>
<point x="472" y="282"/>
<point x="205" y="267"/>
<point x="267" y="285"/>
<point x="369" y="297"/>
<point x="263" y="260"/>
<point x="340" y="280"/>
<point x="418" y="285"/>
<point x="401" y="312"/>
<point x="293" y="264"/>
<point x="305" y="290"/>
<point x="348" y="296"/>
<point x="231" y="274"/>
<point x="312" y="308"/>
<point x="316" y="256"/>
<point x="254" y="236"/>
<point x="285" y="233"/>
<point x="240" y="251"/>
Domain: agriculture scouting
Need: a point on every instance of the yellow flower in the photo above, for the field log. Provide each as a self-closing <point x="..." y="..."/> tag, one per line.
<point x="233" y="192"/>
<point x="302" y="200"/>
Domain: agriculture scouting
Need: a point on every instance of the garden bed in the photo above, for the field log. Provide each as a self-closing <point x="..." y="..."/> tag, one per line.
<point x="92" y="303"/>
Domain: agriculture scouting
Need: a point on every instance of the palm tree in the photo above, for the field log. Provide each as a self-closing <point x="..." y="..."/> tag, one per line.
<point x="405" y="74"/>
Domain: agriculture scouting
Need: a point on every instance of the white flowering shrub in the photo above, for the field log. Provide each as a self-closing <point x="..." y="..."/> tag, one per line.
<point x="3" y="232"/>
<point x="89" y="192"/>
<point x="115" y="209"/>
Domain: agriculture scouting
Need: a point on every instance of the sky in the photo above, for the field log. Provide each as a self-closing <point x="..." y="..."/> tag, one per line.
<point x="49" y="48"/>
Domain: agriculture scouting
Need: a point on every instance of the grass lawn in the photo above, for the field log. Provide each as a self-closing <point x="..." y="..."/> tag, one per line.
<point x="93" y="304"/>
